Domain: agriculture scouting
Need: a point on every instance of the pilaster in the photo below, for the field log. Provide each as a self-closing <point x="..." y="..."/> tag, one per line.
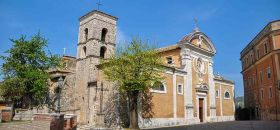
<point x="211" y="91"/>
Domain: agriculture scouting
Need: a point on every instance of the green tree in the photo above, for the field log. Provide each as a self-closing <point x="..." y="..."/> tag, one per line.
<point x="134" y="69"/>
<point x="25" y="72"/>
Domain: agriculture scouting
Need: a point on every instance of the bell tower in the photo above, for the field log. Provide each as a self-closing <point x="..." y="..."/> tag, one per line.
<point x="96" y="41"/>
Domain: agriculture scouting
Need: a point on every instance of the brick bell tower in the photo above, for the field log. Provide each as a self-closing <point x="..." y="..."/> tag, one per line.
<point x="96" y="40"/>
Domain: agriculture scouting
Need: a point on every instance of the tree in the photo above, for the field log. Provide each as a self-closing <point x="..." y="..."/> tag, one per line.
<point x="25" y="72"/>
<point x="134" y="69"/>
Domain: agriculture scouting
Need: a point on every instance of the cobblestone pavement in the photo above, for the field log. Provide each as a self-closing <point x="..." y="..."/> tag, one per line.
<point x="25" y="125"/>
<point x="233" y="125"/>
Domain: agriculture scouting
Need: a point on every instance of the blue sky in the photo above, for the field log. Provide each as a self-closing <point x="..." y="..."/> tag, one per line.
<point x="231" y="25"/>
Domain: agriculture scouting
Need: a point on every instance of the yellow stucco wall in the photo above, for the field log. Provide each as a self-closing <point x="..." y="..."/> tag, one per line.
<point x="218" y="107"/>
<point x="228" y="109"/>
<point x="175" y="54"/>
<point x="180" y="97"/>
<point x="227" y="104"/>
<point x="163" y="102"/>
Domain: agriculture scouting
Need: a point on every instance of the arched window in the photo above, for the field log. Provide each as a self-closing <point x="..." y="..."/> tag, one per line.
<point x="86" y="34"/>
<point x="84" y="52"/>
<point x="159" y="87"/>
<point x="227" y="96"/>
<point x="103" y="34"/>
<point x="102" y="52"/>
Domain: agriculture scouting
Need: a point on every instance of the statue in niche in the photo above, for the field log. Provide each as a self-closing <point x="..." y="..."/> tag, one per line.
<point x="199" y="68"/>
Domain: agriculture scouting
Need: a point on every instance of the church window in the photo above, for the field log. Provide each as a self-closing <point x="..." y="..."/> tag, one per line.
<point x="180" y="89"/>
<point x="159" y="87"/>
<point x="217" y="94"/>
<point x="102" y="52"/>
<point x="227" y="96"/>
<point x="86" y="34"/>
<point x="268" y="73"/>
<point x="169" y="60"/>
<point x="103" y="34"/>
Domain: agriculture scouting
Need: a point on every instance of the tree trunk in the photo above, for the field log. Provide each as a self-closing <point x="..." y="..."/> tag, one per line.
<point x="133" y="111"/>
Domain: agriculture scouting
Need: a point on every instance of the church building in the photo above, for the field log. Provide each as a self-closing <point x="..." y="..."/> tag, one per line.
<point x="190" y="92"/>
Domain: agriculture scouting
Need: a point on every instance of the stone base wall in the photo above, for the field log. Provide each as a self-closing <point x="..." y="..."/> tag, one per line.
<point x="161" y="122"/>
<point x="166" y="122"/>
<point x="6" y="115"/>
<point x="225" y="118"/>
<point x="56" y="121"/>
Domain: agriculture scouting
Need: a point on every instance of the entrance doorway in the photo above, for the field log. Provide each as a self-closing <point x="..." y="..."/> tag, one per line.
<point x="200" y="109"/>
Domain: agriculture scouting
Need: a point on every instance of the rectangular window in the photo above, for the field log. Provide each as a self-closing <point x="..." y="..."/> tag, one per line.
<point x="217" y="94"/>
<point x="268" y="73"/>
<point x="270" y="93"/>
<point x="265" y="48"/>
<point x="261" y="94"/>
<point x="261" y="76"/>
<point x="180" y="89"/>
<point x="258" y="53"/>
<point x="169" y="60"/>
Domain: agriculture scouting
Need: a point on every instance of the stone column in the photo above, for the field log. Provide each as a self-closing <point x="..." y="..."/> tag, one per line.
<point x="212" y="92"/>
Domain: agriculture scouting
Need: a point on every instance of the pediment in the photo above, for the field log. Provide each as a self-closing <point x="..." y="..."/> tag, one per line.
<point x="199" y="40"/>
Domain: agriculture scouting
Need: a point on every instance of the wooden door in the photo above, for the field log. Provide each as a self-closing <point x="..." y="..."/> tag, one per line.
<point x="201" y="109"/>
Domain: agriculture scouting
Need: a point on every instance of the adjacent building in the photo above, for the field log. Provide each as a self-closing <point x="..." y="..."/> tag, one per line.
<point x="261" y="75"/>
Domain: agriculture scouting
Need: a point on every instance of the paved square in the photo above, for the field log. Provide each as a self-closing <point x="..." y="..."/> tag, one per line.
<point x="232" y="125"/>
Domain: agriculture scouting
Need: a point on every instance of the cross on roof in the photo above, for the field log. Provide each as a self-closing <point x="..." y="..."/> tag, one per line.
<point x="98" y="4"/>
<point x="195" y="24"/>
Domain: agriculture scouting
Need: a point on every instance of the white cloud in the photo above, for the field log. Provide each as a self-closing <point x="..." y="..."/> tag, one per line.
<point x="121" y="37"/>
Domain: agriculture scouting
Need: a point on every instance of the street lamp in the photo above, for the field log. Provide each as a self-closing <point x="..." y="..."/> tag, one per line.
<point x="59" y="87"/>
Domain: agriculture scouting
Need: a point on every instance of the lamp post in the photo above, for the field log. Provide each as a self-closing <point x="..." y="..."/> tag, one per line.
<point x="59" y="87"/>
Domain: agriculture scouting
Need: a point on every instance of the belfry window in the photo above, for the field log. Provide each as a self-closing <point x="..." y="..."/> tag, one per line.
<point x="86" y="34"/>
<point x="103" y="34"/>
<point x="102" y="52"/>
<point x="84" y="52"/>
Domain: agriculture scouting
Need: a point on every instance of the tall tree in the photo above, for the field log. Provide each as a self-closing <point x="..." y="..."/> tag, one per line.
<point x="25" y="71"/>
<point x="134" y="68"/>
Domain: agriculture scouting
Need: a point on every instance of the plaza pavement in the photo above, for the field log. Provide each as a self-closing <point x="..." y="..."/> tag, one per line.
<point x="232" y="125"/>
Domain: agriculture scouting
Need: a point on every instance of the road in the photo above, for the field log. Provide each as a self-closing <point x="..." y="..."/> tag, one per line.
<point x="232" y="125"/>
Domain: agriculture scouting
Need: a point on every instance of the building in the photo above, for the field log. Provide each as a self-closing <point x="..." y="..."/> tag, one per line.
<point x="261" y="74"/>
<point x="190" y="92"/>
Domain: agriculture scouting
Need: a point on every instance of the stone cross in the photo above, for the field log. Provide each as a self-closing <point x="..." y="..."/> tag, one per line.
<point x="98" y="4"/>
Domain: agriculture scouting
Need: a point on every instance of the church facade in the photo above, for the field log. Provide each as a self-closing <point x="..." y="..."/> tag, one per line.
<point x="190" y="92"/>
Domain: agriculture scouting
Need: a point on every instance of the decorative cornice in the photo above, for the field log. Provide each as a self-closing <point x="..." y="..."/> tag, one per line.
<point x="266" y="30"/>
<point x="97" y="12"/>
<point x="98" y="40"/>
